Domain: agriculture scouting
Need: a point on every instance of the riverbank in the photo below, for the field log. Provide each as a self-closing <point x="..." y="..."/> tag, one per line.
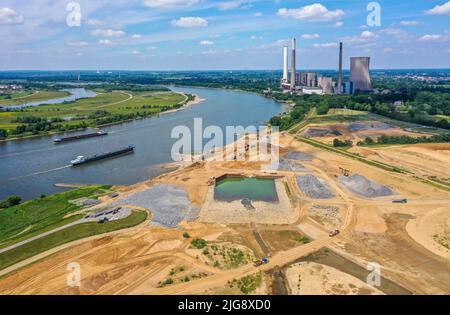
<point x="74" y="108"/>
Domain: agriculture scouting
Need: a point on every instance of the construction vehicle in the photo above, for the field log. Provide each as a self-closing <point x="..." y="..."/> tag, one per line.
<point x="263" y="261"/>
<point x="404" y="200"/>
<point x="345" y="172"/>
<point x="334" y="233"/>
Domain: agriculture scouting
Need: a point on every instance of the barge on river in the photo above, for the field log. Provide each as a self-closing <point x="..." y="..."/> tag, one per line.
<point x="83" y="160"/>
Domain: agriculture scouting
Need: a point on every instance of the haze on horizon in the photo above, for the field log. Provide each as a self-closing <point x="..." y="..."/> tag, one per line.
<point x="219" y="35"/>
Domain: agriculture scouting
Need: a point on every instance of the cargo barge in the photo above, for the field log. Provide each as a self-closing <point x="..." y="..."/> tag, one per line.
<point x="83" y="160"/>
<point x="79" y="137"/>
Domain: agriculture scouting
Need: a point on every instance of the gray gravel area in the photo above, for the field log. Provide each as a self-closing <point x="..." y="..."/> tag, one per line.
<point x="169" y="204"/>
<point x="299" y="156"/>
<point x="364" y="187"/>
<point x="312" y="132"/>
<point x="314" y="187"/>
<point x="369" y="126"/>
<point x="291" y="166"/>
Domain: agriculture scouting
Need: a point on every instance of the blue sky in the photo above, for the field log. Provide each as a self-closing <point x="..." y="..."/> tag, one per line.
<point x="209" y="35"/>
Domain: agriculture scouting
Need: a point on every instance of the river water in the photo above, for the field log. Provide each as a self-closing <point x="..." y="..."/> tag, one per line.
<point x="75" y="94"/>
<point x="31" y="167"/>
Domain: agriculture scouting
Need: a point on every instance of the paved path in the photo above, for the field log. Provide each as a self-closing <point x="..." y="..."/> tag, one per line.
<point x="28" y="240"/>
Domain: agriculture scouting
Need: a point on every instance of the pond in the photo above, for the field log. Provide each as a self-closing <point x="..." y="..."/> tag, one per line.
<point x="238" y="188"/>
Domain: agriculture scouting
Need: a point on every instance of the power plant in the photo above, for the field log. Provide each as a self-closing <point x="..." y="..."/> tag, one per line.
<point x="316" y="83"/>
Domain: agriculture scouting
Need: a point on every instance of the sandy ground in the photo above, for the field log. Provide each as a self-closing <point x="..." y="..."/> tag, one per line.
<point x="309" y="278"/>
<point x="327" y="132"/>
<point x="413" y="157"/>
<point x="135" y="261"/>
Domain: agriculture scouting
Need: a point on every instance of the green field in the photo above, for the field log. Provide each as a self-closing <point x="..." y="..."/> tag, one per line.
<point x="32" y="96"/>
<point x="68" y="235"/>
<point x="36" y="216"/>
<point x="90" y="111"/>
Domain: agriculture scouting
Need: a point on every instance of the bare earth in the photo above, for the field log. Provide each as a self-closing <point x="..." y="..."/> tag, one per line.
<point x="139" y="260"/>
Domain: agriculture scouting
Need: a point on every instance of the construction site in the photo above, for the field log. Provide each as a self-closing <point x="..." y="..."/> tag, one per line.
<point x="311" y="226"/>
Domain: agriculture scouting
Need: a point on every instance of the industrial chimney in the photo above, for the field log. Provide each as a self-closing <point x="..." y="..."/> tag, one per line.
<point x="339" y="86"/>
<point x="285" y="65"/>
<point x="293" y="64"/>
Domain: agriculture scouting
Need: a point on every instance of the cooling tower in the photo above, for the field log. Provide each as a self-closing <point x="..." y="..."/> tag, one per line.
<point x="359" y="74"/>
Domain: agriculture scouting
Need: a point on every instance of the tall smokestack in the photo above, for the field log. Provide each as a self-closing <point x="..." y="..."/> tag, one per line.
<point x="340" y="70"/>
<point x="294" y="44"/>
<point x="285" y="65"/>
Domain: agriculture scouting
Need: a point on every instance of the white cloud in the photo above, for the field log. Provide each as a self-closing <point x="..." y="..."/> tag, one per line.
<point x="209" y="52"/>
<point x="190" y="21"/>
<point x="10" y="17"/>
<point x="368" y="34"/>
<point x="228" y="5"/>
<point x="310" y="36"/>
<point x="325" y="45"/>
<point x="254" y="37"/>
<point x="151" y="48"/>
<point x="78" y="44"/>
<point x="409" y="23"/>
<point x="432" y="38"/>
<point x="106" y="42"/>
<point x="365" y="36"/>
<point x="258" y="14"/>
<point x="170" y="4"/>
<point x="107" y="33"/>
<point x="387" y="50"/>
<point x="94" y="22"/>
<point x="440" y="9"/>
<point x="136" y="36"/>
<point x="313" y="12"/>
<point x="135" y="52"/>
<point x="338" y="24"/>
<point x="206" y="43"/>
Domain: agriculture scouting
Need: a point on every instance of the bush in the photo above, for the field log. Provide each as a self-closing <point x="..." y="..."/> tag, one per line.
<point x="10" y="201"/>
<point x="186" y="235"/>
<point x="3" y="133"/>
<point x="338" y="143"/>
<point x="198" y="243"/>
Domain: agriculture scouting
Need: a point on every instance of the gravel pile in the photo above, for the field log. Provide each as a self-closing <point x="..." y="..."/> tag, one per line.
<point x="322" y="132"/>
<point x="291" y="166"/>
<point x="299" y="156"/>
<point x="369" y="126"/>
<point x="314" y="187"/>
<point x="169" y="204"/>
<point x="329" y="214"/>
<point x="364" y="187"/>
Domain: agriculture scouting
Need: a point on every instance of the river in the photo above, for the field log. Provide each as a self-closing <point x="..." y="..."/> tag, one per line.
<point x="75" y="94"/>
<point x="31" y="167"/>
